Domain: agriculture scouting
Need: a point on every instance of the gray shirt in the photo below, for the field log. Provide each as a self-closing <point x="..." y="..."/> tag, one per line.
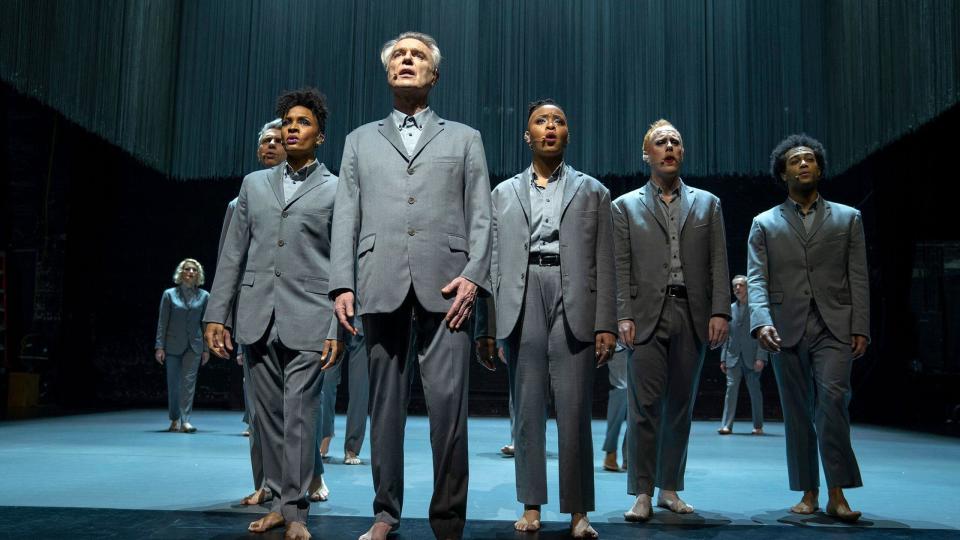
<point x="810" y="216"/>
<point x="410" y="128"/>
<point x="292" y="179"/>
<point x="545" y="205"/>
<point x="671" y="214"/>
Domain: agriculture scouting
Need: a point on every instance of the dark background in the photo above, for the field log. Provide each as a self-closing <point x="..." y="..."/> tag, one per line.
<point x="92" y="237"/>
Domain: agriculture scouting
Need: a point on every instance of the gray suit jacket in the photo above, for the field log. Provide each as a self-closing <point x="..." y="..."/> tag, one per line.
<point x="586" y="255"/>
<point x="642" y="253"/>
<point x="411" y="222"/>
<point x="786" y="268"/>
<point x="740" y="344"/>
<point x="179" y="327"/>
<point x="276" y="258"/>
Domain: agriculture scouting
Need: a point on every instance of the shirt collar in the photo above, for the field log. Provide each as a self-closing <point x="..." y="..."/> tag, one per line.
<point x="799" y="207"/>
<point x="303" y="173"/>
<point x="554" y="176"/>
<point x="400" y="119"/>
<point x="656" y="189"/>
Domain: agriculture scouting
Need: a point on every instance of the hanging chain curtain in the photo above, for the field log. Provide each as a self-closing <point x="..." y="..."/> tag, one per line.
<point x="184" y="85"/>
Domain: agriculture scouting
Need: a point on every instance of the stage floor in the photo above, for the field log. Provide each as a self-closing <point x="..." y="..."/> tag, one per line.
<point x="121" y="462"/>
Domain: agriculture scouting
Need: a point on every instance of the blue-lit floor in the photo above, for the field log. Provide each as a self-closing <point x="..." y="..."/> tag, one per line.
<point x="126" y="461"/>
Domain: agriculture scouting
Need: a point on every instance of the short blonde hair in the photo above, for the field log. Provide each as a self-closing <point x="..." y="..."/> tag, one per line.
<point x="655" y="126"/>
<point x="178" y="273"/>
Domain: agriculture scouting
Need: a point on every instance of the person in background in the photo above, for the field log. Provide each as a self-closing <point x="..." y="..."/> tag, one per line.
<point x="741" y="359"/>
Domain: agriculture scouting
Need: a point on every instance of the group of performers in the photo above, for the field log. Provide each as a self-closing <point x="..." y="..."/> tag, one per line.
<point x="411" y="241"/>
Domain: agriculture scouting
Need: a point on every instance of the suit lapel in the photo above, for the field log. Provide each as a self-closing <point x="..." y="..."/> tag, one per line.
<point x="822" y="215"/>
<point x="521" y="185"/>
<point x="687" y="197"/>
<point x="791" y="217"/>
<point x="317" y="178"/>
<point x="389" y="132"/>
<point x="432" y="126"/>
<point x="648" y="196"/>
<point x="572" y="182"/>
<point x="276" y="182"/>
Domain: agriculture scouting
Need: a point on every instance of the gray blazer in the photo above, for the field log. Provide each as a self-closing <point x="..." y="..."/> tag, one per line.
<point x="411" y="222"/>
<point x="786" y="268"/>
<point x="740" y="344"/>
<point x="179" y="327"/>
<point x="642" y="253"/>
<point x="586" y="254"/>
<point x="276" y="260"/>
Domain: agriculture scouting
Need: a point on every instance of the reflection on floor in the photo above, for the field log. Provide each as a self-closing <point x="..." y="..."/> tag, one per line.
<point x="128" y="468"/>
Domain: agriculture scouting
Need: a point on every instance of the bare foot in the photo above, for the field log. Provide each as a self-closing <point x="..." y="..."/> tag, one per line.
<point x="838" y="507"/>
<point x="174" y="426"/>
<point x="325" y="447"/>
<point x="671" y="501"/>
<point x="318" y="490"/>
<point x="349" y="458"/>
<point x="529" y="521"/>
<point x="296" y="531"/>
<point x="641" y="509"/>
<point x="610" y="462"/>
<point x="267" y="522"/>
<point x="808" y="504"/>
<point x="379" y="531"/>
<point x="257" y="497"/>
<point x="580" y="527"/>
<point x="187" y="427"/>
<point x="507" y="450"/>
<point x="757" y="431"/>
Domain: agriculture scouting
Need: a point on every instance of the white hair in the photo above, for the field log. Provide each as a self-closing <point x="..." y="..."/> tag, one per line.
<point x="273" y="124"/>
<point x="426" y="39"/>
<point x="178" y="273"/>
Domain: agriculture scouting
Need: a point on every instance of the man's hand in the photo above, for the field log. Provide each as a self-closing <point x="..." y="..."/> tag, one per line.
<point x="628" y="331"/>
<point x="758" y="365"/>
<point x="859" y="345"/>
<point x="717" y="331"/>
<point x="204" y="358"/>
<point x="502" y="355"/>
<point x="462" y="307"/>
<point x="159" y="355"/>
<point x="487" y="352"/>
<point x="240" y="357"/>
<point x="723" y="366"/>
<point x="218" y="340"/>
<point x="768" y="338"/>
<point x="605" y="343"/>
<point x="343" y="307"/>
<point x="332" y="348"/>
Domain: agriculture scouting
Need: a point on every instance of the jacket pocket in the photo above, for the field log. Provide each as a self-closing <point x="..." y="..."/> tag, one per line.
<point x="316" y="285"/>
<point x="366" y="244"/>
<point x="776" y="298"/>
<point x="457" y="243"/>
<point x="844" y="297"/>
<point x="248" y="278"/>
<point x="634" y="291"/>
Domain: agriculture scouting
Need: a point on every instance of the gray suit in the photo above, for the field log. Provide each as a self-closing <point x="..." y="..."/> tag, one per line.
<point x="813" y="288"/>
<point x="740" y="353"/>
<point x="180" y="335"/>
<point x="359" y="392"/>
<point x="410" y="224"/>
<point x="282" y="300"/>
<point x="671" y="331"/>
<point x="548" y="316"/>
<point x="249" y="409"/>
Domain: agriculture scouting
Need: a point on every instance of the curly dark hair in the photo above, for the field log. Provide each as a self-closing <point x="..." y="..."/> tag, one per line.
<point x="308" y="97"/>
<point x="778" y="162"/>
<point x="534" y="105"/>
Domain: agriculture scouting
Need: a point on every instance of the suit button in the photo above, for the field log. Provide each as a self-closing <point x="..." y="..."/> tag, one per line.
<point x="411" y="200"/>
<point x="277" y="273"/>
<point x="280" y="243"/>
<point x="411" y="232"/>
<point x="284" y="214"/>
<point x="410" y="170"/>
<point x="806" y="292"/>
<point x="663" y="289"/>
<point x="664" y="265"/>
<point x="524" y="245"/>
<point x="522" y="276"/>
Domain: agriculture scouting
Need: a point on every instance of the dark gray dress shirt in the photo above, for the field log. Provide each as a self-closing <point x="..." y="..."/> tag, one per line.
<point x="545" y="209"/>
<point x="671" y="214"/>
<point x="292" y="179"/>
<point x="810" y="216"/>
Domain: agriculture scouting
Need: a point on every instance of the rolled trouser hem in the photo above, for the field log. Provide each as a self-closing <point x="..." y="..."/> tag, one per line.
<point x="385" y="517"/>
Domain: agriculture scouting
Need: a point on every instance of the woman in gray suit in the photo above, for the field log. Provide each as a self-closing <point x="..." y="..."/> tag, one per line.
<point x="553" y="279"/>
<point x="179" y="345"/>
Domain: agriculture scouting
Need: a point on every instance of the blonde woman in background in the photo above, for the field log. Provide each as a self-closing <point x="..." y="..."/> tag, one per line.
<point x="179" y="345"/>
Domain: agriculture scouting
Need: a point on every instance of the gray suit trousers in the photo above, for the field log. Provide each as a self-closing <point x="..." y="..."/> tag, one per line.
<point x="664" y="374"/>
<point x="814" y="382"/>
<point x="356" y="358"/>
<point x="742" y="370"/>
<point x="250" y="417"/>
<point x="394" y="341"/>
<point x="181" y="383"/>
<point x="287" y="393"/>
<point x="549" y="358"/>
<point x="617" y="401"/>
